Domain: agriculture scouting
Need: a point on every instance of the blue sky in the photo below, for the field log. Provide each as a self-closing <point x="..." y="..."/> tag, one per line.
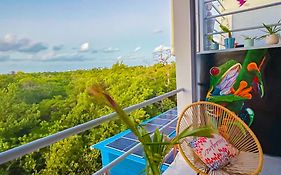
<point x="60" y="35"/>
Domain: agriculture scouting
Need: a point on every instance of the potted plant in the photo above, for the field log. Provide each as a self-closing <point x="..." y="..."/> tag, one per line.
<point x="214" y="45"/>
<point x="271" y="36"/>
<point x="155" y="147"/>
<point x="249" y="41"/>
<point x="228" y="42"/>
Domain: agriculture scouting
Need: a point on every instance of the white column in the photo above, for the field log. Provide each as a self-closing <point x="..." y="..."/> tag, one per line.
<point x="182" y="38"/>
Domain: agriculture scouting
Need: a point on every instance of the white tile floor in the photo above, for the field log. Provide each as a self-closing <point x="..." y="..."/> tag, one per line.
<point x="272" y="166"/>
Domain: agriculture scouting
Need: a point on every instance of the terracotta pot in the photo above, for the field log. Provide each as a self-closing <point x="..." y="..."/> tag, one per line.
<point x="272" y="39"/>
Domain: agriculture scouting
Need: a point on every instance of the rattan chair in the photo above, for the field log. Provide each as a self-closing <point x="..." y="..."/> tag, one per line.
<point x="232" y="128"/>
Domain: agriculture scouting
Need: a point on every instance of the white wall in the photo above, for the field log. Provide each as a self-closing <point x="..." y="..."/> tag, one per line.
<point x="269" y="15"/>
<point x="182" y="49"/>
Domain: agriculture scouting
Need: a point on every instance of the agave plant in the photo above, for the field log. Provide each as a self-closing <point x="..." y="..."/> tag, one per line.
<point x="156" y="145"/>
<point x="271" y="29"/>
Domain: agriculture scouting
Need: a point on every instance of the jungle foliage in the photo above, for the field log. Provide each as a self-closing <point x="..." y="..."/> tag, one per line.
<point x="35" y="105"/>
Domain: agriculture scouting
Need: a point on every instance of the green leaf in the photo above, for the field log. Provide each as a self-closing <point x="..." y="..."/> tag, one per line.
<point x="202" y="132"/>
<point x="277" y="30"/>
<point x="226" y="30"/>
<point x="276" y="27"/>
<point x="211" y="38"/>
<point x="268" y="28"/>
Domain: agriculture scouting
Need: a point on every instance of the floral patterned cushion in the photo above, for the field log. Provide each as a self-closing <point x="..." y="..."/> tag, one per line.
<point x="215" y="152"/>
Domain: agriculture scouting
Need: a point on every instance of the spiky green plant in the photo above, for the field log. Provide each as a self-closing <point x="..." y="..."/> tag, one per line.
<point x="155" y="147"/>
<point x="226" y="30"/>
<point x="271" y="29"/>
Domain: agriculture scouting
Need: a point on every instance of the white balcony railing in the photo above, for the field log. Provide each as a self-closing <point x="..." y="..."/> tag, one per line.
<point x="46" y="141"/>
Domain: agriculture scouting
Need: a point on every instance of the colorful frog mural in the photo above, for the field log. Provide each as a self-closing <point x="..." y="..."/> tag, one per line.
<point x="231" y="84"/>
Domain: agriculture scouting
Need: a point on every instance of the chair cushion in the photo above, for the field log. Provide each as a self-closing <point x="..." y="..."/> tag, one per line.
<point x="215" y="152"/>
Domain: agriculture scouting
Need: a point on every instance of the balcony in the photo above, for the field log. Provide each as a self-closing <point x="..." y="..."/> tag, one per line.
<point x="131" y="155"/>
<point x="193" y="61"/>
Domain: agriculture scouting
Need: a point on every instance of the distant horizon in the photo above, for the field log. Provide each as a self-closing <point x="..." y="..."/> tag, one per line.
<point x="57" y="36"/>
<point x="59" y="67"/>
<point x="86" y="69"/>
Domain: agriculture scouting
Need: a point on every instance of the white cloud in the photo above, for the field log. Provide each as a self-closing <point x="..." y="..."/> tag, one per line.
<point x="84" y="47"/>
<point x="71" y="57"/>
<point x="119" y="58"/>
<point x="110" y="50"/>
<point x="157" y="31"/>
<point x="33" y="47"/>
<point x="137" y="49"/>
<point x="44" y="56"/>
<point x="161" y="48"/>
<point x="9" y="38"/>
<point x="53" y="56"/>
<point x="11" y="42"/>
<point x="134" y="57"/>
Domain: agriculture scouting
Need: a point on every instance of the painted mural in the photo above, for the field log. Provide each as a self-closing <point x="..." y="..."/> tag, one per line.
<point x="233" y="83"/>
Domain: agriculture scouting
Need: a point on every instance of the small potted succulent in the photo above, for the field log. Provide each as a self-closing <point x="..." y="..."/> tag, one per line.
<point x="271" y="36"/>
<point x="228" y="42"/>
<point x="214" y="45"/>
<point x="249" y="41"/>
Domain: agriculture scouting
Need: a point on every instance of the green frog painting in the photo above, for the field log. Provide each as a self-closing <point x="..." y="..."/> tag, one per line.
<point x="233" y="83"/>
